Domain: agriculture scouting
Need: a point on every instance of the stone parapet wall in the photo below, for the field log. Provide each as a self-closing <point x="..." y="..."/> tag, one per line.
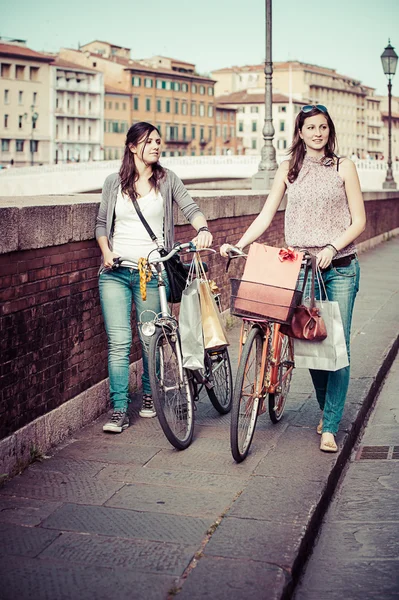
<point x="53" y="344"/>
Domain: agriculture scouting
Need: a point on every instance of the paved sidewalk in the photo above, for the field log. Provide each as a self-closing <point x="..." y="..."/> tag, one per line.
<point x="357" y="554"/>
<point x="129" y="517"/>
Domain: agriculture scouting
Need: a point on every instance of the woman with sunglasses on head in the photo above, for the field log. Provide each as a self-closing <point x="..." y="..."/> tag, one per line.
<point x="120" y="232"/>
<point x="324" y="215"/>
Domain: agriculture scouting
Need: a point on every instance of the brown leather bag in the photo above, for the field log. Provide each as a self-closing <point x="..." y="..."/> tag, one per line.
<point x="307" y="322"/>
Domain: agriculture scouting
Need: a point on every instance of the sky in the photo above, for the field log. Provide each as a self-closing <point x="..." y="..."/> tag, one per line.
<point x="346" y="35"/>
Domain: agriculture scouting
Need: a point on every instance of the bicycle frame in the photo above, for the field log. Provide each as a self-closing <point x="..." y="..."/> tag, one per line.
<point x="271" y="351"/>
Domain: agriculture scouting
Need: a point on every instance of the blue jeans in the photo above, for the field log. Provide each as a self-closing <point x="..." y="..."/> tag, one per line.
<point x="342" y="285"/>
<point x="117" y="290"/>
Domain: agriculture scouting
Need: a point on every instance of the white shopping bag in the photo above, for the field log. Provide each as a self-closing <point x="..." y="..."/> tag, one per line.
<point x="190" y="327"/>
<point x="329" y="354"/>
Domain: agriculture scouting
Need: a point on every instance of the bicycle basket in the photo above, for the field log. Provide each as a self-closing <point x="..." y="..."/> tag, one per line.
<point x="264" y="301"/>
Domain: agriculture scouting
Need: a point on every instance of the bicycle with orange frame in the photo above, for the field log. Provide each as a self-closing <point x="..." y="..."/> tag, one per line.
<point x="266" y="363"/>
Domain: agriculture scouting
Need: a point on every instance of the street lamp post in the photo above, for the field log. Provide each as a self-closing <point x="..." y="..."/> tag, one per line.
<point x="263" y="179"/>
<point x="35" y="116"/>
<point x="389" y="60"/>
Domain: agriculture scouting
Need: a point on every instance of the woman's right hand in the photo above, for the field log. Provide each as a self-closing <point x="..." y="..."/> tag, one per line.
<point x="108" y="258"/>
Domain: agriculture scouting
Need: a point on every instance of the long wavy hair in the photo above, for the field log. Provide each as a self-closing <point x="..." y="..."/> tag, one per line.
<point x="297" y="150"/>
<point x="128" y="173"/>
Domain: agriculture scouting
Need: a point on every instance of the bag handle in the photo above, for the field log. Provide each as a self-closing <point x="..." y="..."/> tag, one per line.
<point x="144" y="222"/>
<point x="313" y="275"/>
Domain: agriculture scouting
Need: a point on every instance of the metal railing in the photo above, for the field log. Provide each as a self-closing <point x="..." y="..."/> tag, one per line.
<point x="173" y="161"/>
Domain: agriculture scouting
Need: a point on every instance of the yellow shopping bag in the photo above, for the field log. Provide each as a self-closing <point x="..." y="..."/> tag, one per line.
<point x="212" y="326"/>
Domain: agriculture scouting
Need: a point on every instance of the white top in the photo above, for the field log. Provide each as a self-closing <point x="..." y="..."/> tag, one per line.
<point x="130" y="236"/>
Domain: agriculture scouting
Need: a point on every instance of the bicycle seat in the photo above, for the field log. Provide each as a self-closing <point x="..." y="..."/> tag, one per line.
<point x="188" y="265"/>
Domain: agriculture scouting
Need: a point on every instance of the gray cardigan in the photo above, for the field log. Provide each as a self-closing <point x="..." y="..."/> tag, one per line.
<point x="171" y="189"/>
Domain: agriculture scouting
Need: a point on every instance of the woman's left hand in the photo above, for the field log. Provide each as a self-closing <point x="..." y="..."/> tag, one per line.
<point x="324" y="257"/>
<point x="203" y="240"/>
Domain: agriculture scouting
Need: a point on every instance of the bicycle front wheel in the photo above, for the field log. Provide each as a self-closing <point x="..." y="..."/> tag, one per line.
<point x="278" y="399"/>
<point x="218" y="367"/>
<point x="171" y="389"/>
<point x="246" y="396"/>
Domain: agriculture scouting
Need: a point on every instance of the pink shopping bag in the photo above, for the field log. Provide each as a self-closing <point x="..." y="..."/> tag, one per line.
<point x="268" y="285"/>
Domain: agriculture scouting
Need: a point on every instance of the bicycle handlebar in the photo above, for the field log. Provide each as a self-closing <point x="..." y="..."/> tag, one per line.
<point x="161" y="259"/>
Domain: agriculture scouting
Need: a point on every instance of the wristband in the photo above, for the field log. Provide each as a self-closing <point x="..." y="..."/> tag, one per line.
<point x="333" y="247"/>
<point x="203" y="229"/>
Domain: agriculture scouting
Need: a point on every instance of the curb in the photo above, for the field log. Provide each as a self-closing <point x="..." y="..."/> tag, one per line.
<point x="315" y="522"/>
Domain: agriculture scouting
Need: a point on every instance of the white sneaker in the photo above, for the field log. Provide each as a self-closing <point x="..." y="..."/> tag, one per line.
<point x="147" y="408"/>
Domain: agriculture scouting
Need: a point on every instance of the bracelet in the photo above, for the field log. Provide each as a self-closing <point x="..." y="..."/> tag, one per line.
<point x="202" y="229"/>
<point x="333" y="247"/>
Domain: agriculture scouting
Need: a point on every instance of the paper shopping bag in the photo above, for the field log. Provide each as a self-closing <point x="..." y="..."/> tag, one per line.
<point x="269" y="282"/>
<point x="190" y="327"/>
<point x="212" y="326"/>
<point x="329" y="354"/>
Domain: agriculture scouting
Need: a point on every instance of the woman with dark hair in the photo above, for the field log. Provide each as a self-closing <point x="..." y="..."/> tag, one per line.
<point x="120" y="232"/>
<point x="324" y="215"/>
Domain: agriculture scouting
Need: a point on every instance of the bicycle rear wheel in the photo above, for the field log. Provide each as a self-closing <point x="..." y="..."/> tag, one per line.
<point x="221" y="394"/>
<point x="171" y="390"/>
<point x="245" y="397"/>
<point x="278" y="399"/>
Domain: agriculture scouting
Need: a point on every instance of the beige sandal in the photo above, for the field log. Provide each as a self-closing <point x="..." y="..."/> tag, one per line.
<point x="327" y="443"/>
<point x="319" y="428"/>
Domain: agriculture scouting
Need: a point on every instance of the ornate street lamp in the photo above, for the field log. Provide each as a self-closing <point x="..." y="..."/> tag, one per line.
<point x="389" y="60"/>
<point x="263" y="179"/>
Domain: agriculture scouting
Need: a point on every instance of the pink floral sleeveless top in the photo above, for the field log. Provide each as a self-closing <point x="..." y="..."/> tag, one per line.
<point x="317" y="209"/>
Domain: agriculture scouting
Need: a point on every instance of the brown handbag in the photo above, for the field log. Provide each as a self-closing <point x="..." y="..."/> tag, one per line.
<point x="307" y="323"/>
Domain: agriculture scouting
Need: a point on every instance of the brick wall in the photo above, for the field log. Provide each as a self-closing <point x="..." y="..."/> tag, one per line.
<point x="53" y="344"/>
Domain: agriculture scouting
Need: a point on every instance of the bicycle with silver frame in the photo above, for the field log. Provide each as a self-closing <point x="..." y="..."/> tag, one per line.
<point x="174" y="388"/>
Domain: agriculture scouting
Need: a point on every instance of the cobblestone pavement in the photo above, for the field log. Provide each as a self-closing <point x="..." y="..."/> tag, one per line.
<point x="129" y="517"/>
<point x="357" y="553"/>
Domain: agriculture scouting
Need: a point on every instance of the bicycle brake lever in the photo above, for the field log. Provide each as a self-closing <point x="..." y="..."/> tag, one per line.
<point x="232" y="255"/>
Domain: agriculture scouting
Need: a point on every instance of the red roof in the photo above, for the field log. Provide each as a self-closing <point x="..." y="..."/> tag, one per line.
<point x="243" y="97"/>
<point x="108" y="44"/>
<point x="66" y="64"/>
<point x="132" y="65"/>
<point x="295" y="65"/>
<point x="236" y="69"/>
<point x="13" y="50"/>
<point x="385" y="115"/>
<point x="111" y="90"/>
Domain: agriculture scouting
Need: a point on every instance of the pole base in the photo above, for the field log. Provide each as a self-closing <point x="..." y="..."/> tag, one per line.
<point x="389" y="185"/>
<point x="262" y="180"/>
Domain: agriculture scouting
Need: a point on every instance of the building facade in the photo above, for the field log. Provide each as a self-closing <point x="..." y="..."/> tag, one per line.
<point x="117" y="121"/>
<point x="375" y="128"/>
<point x="78" y="113"/>
<point x="25" y="98"/>
<point x="226" y="141"/>
<point x="250" y="107"/>
<point x="394" y="129"/>
<point x="166" y="92"/>
<point x="346" y="98"/>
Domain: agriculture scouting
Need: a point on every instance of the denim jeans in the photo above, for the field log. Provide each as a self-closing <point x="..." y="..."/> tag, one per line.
<point x="342" y="285"/>
<point x="117" y="290"/>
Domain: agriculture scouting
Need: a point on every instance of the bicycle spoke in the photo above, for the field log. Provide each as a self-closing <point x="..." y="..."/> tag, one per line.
<point x="171" y="389"/>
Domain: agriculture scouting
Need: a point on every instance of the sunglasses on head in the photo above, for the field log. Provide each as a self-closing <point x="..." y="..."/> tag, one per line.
<point x="309" y="107"/>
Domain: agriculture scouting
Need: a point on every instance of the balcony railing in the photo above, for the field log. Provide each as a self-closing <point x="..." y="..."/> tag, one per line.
<point x="178" y="141"/>
<point x="79" y="114"/>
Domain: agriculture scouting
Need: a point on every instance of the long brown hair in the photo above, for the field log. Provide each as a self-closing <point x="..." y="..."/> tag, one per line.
<point x="128" y="173"/>
<point x="297" y="150"/>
